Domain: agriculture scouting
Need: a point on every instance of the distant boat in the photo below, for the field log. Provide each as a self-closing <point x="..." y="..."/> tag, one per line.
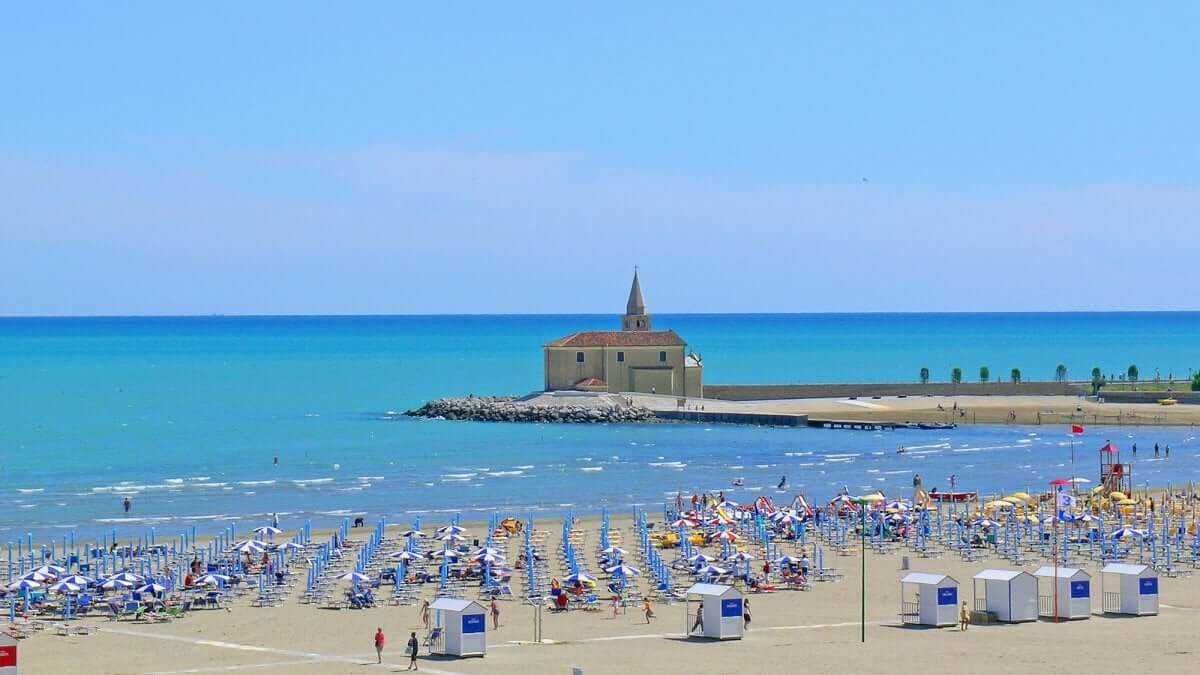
<point x="957" y="497"/>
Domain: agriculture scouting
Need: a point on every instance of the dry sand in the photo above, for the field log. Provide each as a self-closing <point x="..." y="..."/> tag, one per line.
<point x="959" y="409"/>
<point x="815" y="631"/>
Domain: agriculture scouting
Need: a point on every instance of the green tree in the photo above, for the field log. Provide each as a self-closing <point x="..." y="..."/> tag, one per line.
<point x="956" y="375"/>
<point x="1060" y="373"/>
<point x="924" y="376"/>
<point x="1196" y="382"/>
<point x="1015" y="375"/>
<point x="984" y="374"/>
<point x="1132" y="374"/>
<point x="1097" y="380"/>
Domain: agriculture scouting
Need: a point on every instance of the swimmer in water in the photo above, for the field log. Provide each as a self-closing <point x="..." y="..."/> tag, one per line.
<point x="782" y="483"/>
<point x="901" y="450"/>
<point x="738" y="482"/>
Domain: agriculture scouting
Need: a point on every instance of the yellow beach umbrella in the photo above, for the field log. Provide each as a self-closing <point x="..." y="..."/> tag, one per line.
<point x="1023" y="496"/>
<point x="1117" y="495"/>
<point x="998" y="504"/>
<point x="1127" y="502"/>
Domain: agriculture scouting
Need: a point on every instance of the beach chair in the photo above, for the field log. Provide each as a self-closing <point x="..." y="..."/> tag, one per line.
<point x="433" y="639"/>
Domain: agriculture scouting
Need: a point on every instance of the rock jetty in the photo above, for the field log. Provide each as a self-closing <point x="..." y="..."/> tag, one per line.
<point x="510" y="409"/>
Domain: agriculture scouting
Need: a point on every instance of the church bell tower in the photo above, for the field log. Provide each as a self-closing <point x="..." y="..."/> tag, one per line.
<point x="636" y="317"/>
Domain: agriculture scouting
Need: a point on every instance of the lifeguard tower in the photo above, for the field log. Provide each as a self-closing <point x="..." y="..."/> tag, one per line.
<point x="1114" y="476"/>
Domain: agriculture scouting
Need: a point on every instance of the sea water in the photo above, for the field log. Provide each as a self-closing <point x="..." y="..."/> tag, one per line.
<point x="187" y="416"/>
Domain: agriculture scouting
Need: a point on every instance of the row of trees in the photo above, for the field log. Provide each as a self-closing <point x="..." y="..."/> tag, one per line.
<point x="1060" y="375"/>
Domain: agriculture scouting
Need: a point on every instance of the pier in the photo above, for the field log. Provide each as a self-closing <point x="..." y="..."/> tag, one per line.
<point x="727" y="417"/>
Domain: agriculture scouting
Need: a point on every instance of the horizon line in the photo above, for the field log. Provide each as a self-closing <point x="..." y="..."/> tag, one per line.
<point x="215" y="315"/>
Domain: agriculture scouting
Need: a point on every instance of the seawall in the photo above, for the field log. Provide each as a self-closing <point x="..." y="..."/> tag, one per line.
<point x="767" y="392"/>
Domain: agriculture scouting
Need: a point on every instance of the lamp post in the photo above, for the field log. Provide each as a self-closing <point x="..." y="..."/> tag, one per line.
<point x="862" y="504"/>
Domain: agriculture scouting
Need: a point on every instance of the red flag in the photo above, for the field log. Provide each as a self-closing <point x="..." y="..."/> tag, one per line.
<point x="1077" y="428"/>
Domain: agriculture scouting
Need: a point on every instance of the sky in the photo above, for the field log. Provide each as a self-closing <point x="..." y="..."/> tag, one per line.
<point x="307" y="158"/>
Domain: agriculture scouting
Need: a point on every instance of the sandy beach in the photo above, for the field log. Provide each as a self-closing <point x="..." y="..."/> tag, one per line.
<point x="957" y="409"/>
<point x="817" y="629"/>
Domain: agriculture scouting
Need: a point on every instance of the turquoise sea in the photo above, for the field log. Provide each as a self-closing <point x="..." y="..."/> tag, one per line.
<point x="186" y="415"/>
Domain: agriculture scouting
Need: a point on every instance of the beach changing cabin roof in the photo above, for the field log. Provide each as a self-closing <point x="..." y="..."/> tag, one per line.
<point x="452" y="604"/>
<point x="925" y="578"/>
<point x="1063" y="572"/>
<point x="998" y="575"/>
<point x="708" y="589"/>
<point x="620" y="338"/>
<point x="1124" y="568"/>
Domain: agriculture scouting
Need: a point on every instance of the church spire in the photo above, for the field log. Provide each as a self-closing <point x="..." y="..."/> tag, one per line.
<point x="635" y="305"/>
<point x="636" y="317"/>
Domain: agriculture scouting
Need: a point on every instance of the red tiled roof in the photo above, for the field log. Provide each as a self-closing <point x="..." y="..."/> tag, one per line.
<point x="591" y="382"/>
<point x="620" y="338"/>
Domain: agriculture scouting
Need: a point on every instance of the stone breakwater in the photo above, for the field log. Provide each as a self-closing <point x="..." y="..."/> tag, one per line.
<point x="509" y="409"/>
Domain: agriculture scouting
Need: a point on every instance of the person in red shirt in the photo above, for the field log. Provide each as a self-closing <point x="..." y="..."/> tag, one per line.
<point x="379" y="644"/>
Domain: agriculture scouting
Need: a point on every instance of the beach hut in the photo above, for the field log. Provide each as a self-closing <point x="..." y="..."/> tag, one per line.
<point x="1074" y="588"/>
<point x="464" y="627"/>
<point x="1136" y="589"/>
<point x="1011" y="595"/>
<point x="719" y="615"/>
<point x="928" y="599"/>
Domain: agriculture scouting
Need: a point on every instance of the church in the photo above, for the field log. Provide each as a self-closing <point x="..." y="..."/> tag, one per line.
<point x="633" y="359"/>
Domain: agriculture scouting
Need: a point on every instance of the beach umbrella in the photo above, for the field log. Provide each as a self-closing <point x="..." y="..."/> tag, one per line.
<point x="684" y="522"/>
<point x="64" y="587"/>
<point x="1127" y="533"/>
<point x="896" y="505"/>
<point x="614" y="550"/>
<point x="623" y="571"/>
<point x="728" y="535"/>
<point x="249" y="545"/>
<point x="289" y="546"/>
<point x="129" y="577"/>
<point x="413" y="533"/>
<point x="445" y="553"/>
<point x="408" y="556"/>
<point x="789" y="518"/>
<point x="740" y="557"/>
<point x="450" y="536"/>
<point x="788" y="560"/>
<point x="581" y="577"/>
<point x="450" y="529"/>
<point x="213" y="580"/>
<point x="52" y="570"/>
<point x="37" y="576"/>
<point x="153" y="589"/>
<point x="711" y="570"/>
<point x="490" y="558"/>
<point x="488" y="550"/>
<point x="115" y="584"/>
<point x="24" y="584"/>
<point x="267" y="530"/>
<point x="355" y="578"/>
<point x="79" y="580"/>
<point x="700" y="558"/>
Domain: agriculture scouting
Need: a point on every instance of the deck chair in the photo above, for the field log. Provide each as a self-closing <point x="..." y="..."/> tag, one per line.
<point x="432" y="638"/>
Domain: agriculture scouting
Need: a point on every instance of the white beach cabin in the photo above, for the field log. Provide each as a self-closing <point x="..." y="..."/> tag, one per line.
<point x="1074" y="588"/>
<point x="1011" y="595"/>
<point x="1129" y="589"/>
<point x="720" y="612"/>
<point x="464" y="627"/>
<point x="928" y="599"/>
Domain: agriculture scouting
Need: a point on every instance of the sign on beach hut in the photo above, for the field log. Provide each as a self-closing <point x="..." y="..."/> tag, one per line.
<point x="1074" y="591"/>
<point x="1129" y="589"/>
<point x="928" y="599"/>
<point x="464" y="627"/>
<point x="1011" y="595"/>
<point x="719" y="615"/>
<point x="8" y="655"/>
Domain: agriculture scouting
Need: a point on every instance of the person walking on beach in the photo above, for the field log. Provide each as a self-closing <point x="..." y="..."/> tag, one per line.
<point x="379" y="644"/>
<point x="964" y="617"/>
<point x="699" y="622"/>
<point x="425" y="613"/>
<point x="745" y="614"/>
<point x="647" y="609"/>
<point x="495" y="614"/>
<point x="413" y="646"/>
<point x="127" y="503"/>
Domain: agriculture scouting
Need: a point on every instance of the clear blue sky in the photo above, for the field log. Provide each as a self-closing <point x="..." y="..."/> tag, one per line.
<point x="389" y="158"/>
